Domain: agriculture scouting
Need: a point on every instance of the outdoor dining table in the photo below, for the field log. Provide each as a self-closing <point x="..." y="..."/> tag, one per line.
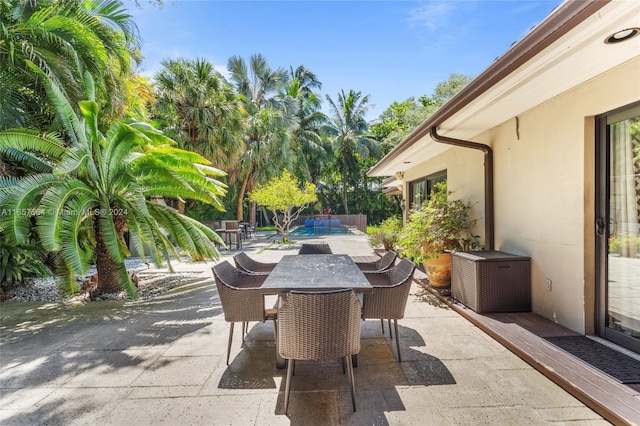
<point x="314" y="272"/>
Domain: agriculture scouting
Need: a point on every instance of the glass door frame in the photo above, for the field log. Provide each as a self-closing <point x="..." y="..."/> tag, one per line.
<point x="601" y="234"/>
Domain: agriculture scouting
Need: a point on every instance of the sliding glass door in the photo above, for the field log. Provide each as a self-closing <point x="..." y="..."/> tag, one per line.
<point x="618" y="227"/>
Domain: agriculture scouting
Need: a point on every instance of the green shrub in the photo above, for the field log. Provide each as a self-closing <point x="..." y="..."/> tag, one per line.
<point x="18" y="264"/>
<point x="386" y="234"/>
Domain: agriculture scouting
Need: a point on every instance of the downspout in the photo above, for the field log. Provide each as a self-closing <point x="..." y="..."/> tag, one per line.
<point x="488" y="180"/>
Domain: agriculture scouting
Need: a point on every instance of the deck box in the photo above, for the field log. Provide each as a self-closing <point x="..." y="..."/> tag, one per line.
<point x="491" y="281"/>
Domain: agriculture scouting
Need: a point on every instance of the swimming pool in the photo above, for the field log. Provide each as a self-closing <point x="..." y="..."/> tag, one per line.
<point x="321" y="230"/>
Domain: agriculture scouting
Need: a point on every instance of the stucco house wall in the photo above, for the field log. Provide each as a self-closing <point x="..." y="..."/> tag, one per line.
<point x="463" y="167"/>
<point x="544" y="189"/>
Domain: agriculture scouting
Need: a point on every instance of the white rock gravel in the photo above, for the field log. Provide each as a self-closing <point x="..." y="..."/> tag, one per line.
<point x="151" y="284"/>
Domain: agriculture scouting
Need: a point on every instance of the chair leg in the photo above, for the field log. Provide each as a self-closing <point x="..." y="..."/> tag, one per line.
<point x="351" y="381"/>
<point x="230" y="339"/>
<point x="280" y="362"/>
<point x="287" y="386"/>
<point x="245" y="329"/>
<point x="382" y="325"/>
<point x="390" y="333"/>
<point x="395" y="323"/>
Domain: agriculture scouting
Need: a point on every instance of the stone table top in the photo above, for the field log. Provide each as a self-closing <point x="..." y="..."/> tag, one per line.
<point x="316" y="272"/>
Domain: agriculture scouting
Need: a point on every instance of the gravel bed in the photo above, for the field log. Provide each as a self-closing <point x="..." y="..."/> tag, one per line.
<point x="150" y="286"/>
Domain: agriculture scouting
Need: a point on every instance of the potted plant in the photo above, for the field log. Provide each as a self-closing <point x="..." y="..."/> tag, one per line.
<point x="435" y="229"/>
<point x="386" y="234"/>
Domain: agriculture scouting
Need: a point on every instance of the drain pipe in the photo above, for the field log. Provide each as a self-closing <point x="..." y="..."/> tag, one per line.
<point x="488" y="180"/>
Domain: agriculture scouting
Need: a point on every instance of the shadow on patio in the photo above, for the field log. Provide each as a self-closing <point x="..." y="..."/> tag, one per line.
<point x="318" y="386"/>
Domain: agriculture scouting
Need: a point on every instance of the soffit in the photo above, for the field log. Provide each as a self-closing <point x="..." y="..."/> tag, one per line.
<point x="573" y="59"/>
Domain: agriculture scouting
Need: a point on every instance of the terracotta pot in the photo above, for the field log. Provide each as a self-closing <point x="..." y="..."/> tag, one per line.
<point x="438" y="269"/>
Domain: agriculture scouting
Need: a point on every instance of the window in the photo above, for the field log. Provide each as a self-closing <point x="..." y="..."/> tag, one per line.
<point x="420" y="189"/>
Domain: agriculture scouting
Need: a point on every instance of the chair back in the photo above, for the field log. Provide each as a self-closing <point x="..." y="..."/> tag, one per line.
<point x="321" y="248"/>
<point x="402" y="272"/>
<point x="319" y="325"/>
<point x="245" y="263"/>
<point x="239" y="293"/>
<point x="231" y="225"/>
<point x="387" y="260"/>
<point x="390" y="292"/>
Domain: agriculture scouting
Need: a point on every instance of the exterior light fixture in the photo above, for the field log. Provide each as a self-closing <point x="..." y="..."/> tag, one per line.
<point x="622" y="35"/>
<point x="399" y="175"/>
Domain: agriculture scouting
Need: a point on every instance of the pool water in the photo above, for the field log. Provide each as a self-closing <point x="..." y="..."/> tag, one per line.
<point x="321" y="230"/>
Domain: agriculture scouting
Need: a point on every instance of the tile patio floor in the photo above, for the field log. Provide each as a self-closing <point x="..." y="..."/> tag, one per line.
<point x="163" y="362"/>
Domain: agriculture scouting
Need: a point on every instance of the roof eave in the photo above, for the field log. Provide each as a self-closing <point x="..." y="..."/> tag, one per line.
<point x="566" y="17"/>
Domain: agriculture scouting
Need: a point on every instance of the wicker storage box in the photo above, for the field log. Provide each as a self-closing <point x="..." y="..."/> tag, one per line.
<point x="491" y="281"/>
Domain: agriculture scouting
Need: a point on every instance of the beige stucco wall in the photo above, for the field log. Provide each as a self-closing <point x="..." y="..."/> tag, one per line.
<point x="459" y="164"/>
<point x="544" y="189"/>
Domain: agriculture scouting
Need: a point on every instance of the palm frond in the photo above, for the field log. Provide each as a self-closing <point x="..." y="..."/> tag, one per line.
<point x="59" y="204"/>
<point x="109" y="233"/>
<point x="21" y="201"/>
<point x="190" y="235"/>
<point x="76" y="158"/>
<point x="75" y="256"/>
<point x="64" y="111"/>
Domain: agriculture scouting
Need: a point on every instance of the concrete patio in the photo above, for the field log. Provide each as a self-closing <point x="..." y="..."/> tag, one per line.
<point x="163" y="362"/>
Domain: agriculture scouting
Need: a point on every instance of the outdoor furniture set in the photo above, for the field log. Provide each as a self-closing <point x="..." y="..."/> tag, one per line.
<point x="316" y="303"/>
<point x="233" y="232"/>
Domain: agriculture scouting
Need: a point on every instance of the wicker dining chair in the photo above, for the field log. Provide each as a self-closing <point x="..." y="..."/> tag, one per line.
<point x="317" y="326"/>
<point x="382" y="264"/>
<point x="234" y="233"/>
<point x="240" y="297"/>
<point x="389" y="296"/>
<point x="247" y="264"/>
<point x="321" y="248"/>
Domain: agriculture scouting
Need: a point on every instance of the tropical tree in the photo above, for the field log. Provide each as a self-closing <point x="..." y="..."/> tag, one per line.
<point x="140" y="98"/>
<point x="307" y="142"/>
<point x="347" y="129"/>
<point x="64" y="39"/>
<point x="445" y="90"/>
<point x="397" y="121"/>
<point x="267" y="133"/>
<point x="91" y="190"/>
<point x="282" y="195"/>
<point x="199" y="110"/>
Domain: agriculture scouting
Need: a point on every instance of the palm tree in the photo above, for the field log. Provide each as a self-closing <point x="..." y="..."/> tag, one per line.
<point x="100" y="186"/>
<point x="308" y="144"/>
<point x="199" y="110"/>
<point x="347" y="128"/>
<point x="267" y="130"/>
<point x="64" y="39"/>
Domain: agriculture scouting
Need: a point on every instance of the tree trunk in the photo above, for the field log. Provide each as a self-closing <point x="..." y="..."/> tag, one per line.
<point x="241" y="191"/>
<point x="181" y="206"/>
<point x="252" y="213"/>
<point x="344" y="197"/>
<point x="344" y="186"/>
<point x="109" y="270"/>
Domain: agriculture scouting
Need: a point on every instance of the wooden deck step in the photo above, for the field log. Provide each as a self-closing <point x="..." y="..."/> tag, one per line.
<point x="524" y="333"/>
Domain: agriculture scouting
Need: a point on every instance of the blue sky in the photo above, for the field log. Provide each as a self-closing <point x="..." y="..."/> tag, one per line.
<point x="390" y="50"/>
